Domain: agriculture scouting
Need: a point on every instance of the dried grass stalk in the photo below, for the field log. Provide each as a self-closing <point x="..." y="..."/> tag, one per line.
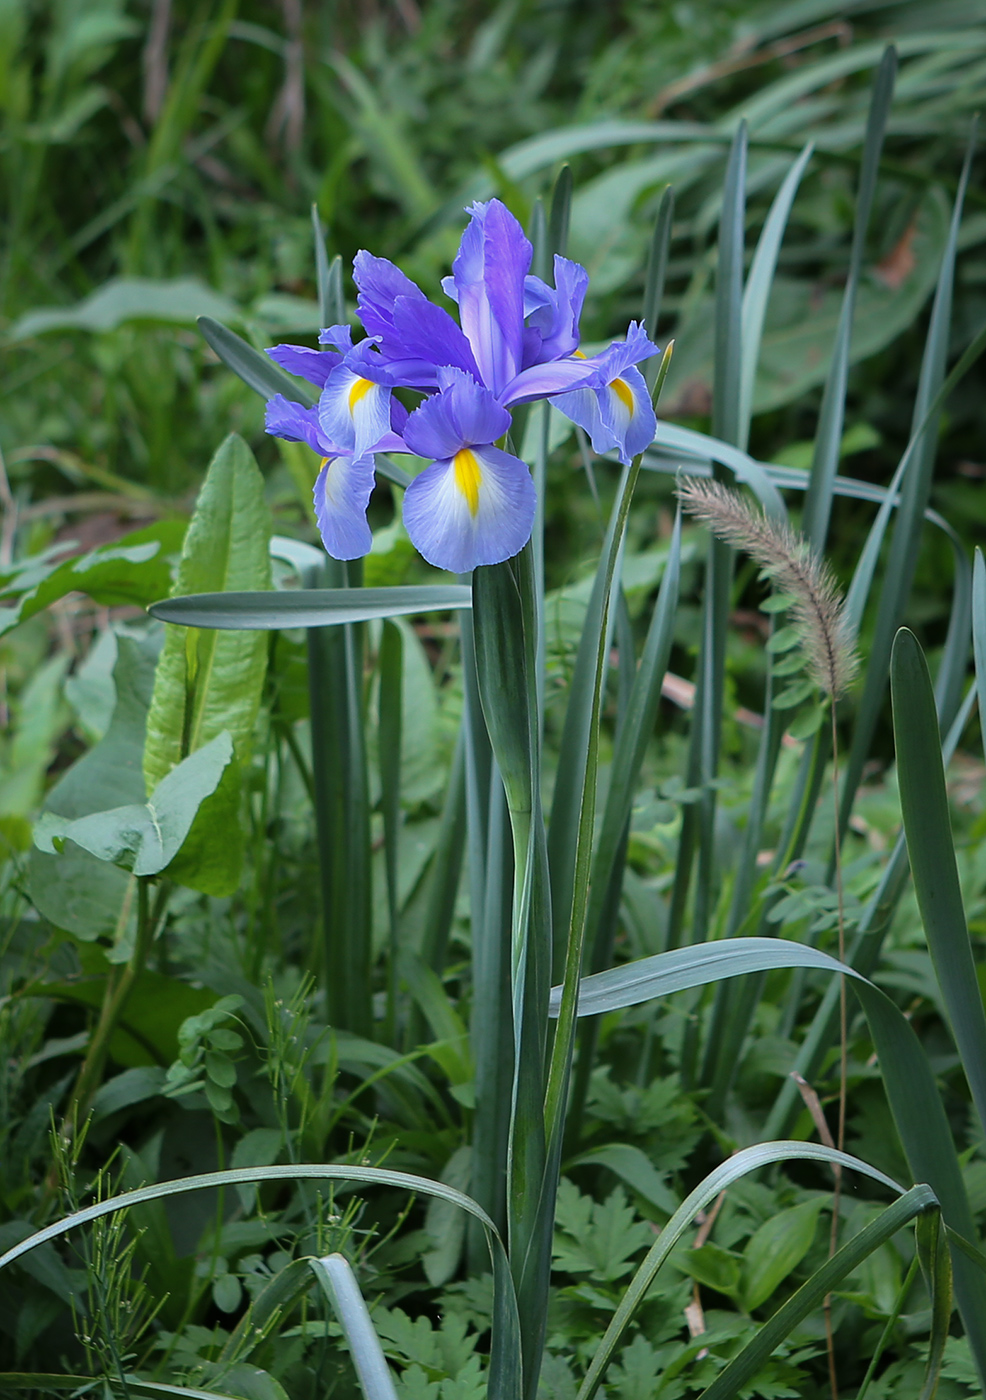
<point x="789" y="562"/>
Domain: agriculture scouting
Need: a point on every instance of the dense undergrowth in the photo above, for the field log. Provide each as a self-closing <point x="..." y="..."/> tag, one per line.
<point x="304" y="955"/>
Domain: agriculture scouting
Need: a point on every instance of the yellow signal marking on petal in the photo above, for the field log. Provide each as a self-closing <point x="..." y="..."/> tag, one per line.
<point x="622" y="391"/>
<point x="360" y="387"/>
<point x="579" y="354"/>
<point x="468" y="476"/>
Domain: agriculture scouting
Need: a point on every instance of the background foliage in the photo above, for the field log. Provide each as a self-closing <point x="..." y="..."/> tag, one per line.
<point x="159" y="162"/>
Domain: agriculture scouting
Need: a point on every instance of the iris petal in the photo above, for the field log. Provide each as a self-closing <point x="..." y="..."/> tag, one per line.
<point x="488" y="274"/>
<point x="353" y="411"/>
<point x="625" y="408"/>
<point x="313" y="365"/>
<point x="463" y="414"/>
<point x="285" y="419"/>
<point x="460" y="514"/>
<point x="341" y="495"/>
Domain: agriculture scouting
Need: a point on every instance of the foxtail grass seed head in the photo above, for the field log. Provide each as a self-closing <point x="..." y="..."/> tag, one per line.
<point x="787" y="559"/>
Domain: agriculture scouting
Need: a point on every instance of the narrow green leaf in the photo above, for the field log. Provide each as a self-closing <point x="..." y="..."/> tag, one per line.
<point x="328" y="277"/>
<point x="257" y="371"/>
<point x="308" y="607"/>
<point x="339" y="1282"/>
<point x="342" y="809"/>
<point x="932" y="1250"/>
<point x="728" y="327"/>
<point x="927" y="826"/>
<point x="560" y="213"/>
<point x="979" y="635"/>
<point x="757" y="290"/>
<point x="391" y="665"/>
<point x="748" y="471"/>
<point x="657" y="267"/>
<point x="828" y="435"/>
<point x="915" y="491"/>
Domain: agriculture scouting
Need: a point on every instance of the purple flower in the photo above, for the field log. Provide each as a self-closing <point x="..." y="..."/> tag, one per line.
<point x="475" y="504"/>
<point x="616" y="412"/>
<point x="516" y="340"/>
<point x="491" y="284"/>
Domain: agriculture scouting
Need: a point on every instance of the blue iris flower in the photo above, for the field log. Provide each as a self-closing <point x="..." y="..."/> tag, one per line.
<point x="516" y="341"/>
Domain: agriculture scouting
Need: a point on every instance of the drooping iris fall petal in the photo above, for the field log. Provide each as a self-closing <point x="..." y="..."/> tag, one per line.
<point x="341" y="495"/>
<point x="475" y="504"/>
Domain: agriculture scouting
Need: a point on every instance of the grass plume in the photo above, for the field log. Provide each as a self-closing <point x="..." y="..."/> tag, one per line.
<point x="789" y="562"/>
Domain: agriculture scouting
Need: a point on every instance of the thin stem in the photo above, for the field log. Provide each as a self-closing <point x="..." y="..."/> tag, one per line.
<point x="843" y="1053"/>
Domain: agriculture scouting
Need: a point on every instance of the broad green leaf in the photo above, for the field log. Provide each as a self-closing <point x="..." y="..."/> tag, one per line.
<point x="75" y="890"/>
<point x="309" y="607"/>
<point x="339" y="1282"/>
<point x="181" y="300"/>
<point x="777" y="1247"/>
<point x="713" y="1266"/>
<point x="208" y="681"/>
<point x="927" y="826"/>
<point x="144" y="838"/>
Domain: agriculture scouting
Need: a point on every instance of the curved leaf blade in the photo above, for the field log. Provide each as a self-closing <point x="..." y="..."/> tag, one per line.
<point x="308" y="607"/>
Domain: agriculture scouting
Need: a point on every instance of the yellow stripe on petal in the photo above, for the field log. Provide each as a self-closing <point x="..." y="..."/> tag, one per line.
<point x="359" y="389"/>
<point x="622" y="391"/>
<point x="468" y="476"/>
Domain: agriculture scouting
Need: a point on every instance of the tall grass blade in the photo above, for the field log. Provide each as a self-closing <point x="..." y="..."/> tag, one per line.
<point x="657" y="269"/>
<point x="979" y="635"/>
<point x="389" y="746"/>
<point x="915" y="490"/>
<point x="864" y="953"/>
<point x="560" y="212"/>
<point x="634" y="732"/>
<point x="343" y="1292"/>
<point x="828" y="434"/>
<point x="927" y="827"/>
<point x="342" y="815"/>
<point x="757" y="290"/>
<point x="707" y="715"/>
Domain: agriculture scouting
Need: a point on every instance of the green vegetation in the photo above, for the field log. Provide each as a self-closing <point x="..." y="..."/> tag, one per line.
<point x="550" y="980"/>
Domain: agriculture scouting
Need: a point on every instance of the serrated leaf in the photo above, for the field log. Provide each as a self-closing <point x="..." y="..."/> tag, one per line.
<point x="207" y="681"/>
